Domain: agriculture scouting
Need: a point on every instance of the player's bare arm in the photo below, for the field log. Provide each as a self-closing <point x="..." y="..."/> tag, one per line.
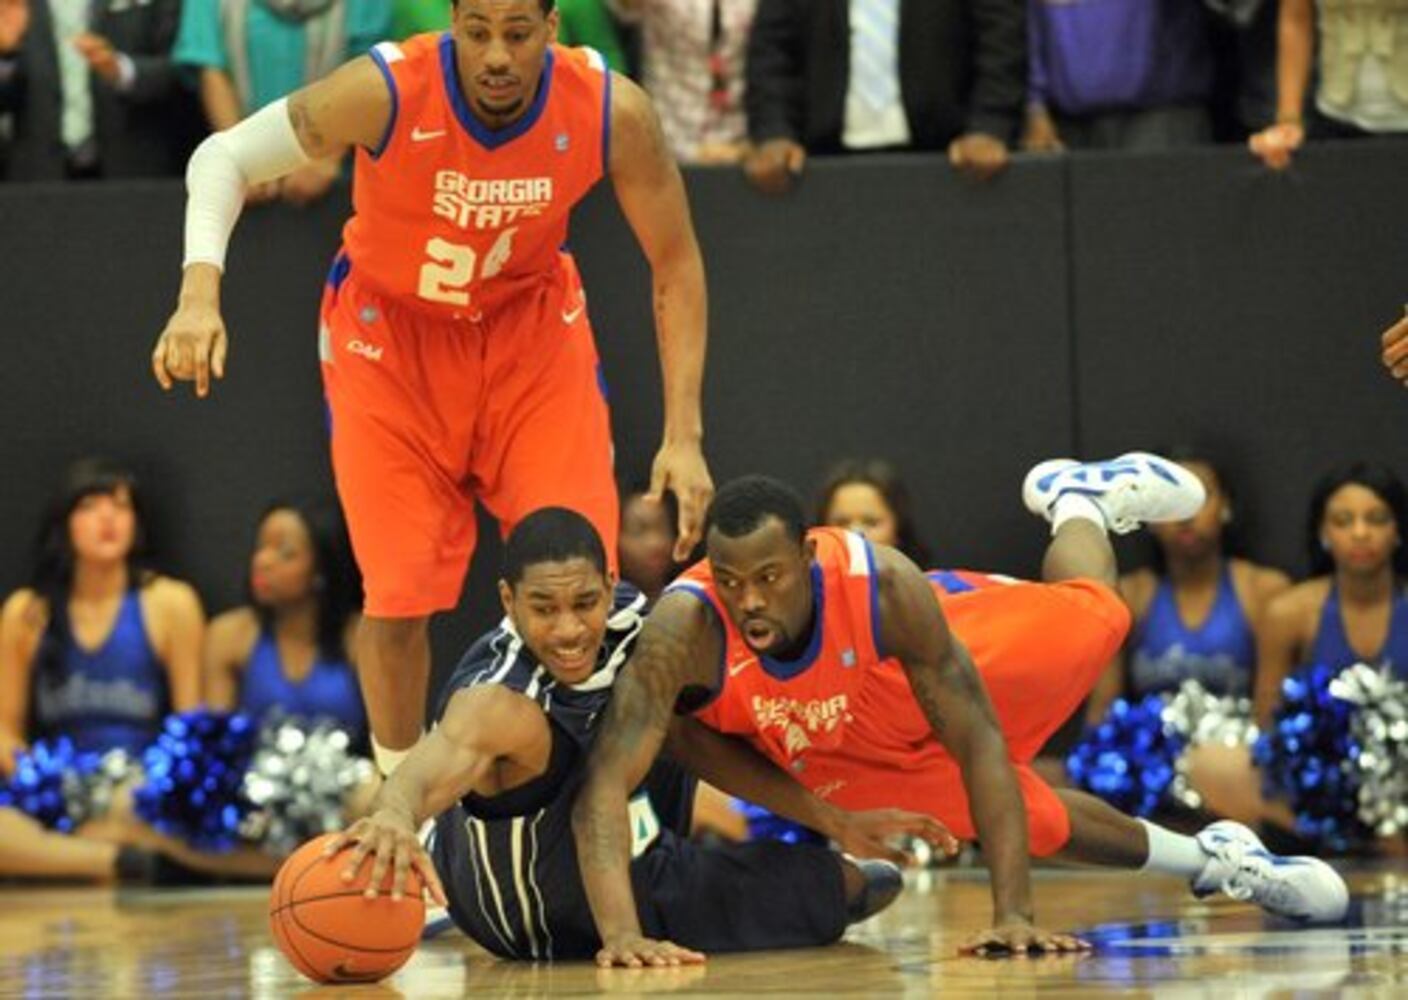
<point x="652" y="197"/>
<point x="679" y="648"/>
<point x="351" y="106"/>
<point x="483" y="728"/>
<point x="732" y="765"/>
<point x="952" y="697"/>
<point x="1395" y="345"/>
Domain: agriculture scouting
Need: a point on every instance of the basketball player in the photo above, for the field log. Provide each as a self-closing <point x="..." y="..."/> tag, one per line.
<point x="834" y="658"/>
<point x="505" y="762"/>
<point x="1395" y="342"/>
<point x="457" y="358"/>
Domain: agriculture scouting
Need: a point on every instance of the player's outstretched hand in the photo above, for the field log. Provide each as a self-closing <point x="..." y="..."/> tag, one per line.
<point x="1395" y="341"/>
<point x="872" y="834"/>
<point x="680" y="468"/>
<point x="191" y="348"/>
<point x="390" y="838"/>
<point x="1018" y="937"/>
<point x="636" y="952"/>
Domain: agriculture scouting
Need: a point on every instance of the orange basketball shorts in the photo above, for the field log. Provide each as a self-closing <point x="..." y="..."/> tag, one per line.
<point x="1039" y="649"/>
<point x="505" y="406"/>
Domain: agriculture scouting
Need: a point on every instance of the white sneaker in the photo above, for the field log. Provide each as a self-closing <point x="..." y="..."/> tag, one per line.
<point x="1239" y="864"/>
<point x="1131" y="490"/>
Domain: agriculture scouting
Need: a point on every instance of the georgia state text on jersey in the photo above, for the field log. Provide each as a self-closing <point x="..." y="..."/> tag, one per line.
<point x="509" y="863"/>
<point x="449" y="211"/>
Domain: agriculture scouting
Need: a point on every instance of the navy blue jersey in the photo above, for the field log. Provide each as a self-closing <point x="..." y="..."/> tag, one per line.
<point x="509" y="863"/>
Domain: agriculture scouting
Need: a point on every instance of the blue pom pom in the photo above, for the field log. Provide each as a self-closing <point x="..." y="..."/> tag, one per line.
<point x="1307" y="755"/>
<point x="194" y="774"/>
<point x="1128" y="759"/>
<point x="44" y="776"/>
<point x="765" y="825"/>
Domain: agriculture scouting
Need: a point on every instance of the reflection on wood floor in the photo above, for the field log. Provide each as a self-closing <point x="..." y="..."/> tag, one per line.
<point x="1151" y="935"/>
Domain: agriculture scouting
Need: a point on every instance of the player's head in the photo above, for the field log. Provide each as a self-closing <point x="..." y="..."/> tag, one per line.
<point x="302" y="558"/>
<point x="500" y="49"/>
<point x="868" y="496"/>
<point x="1213" y="528"/>
<point x="1357" y="518"/>
<point x="557" y="591"/>
<point x="755" y="536"/>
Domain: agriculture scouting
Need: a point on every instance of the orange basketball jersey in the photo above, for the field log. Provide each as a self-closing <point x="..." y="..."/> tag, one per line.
<point x="840" y="691"/>
<point x="449" y="213"/>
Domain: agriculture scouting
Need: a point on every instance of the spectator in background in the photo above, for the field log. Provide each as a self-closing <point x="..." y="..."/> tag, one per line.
<point x="1362" y="70"/>
<point x="91" y="90"/>
<point x="645" y="549"/>
<point x="692" y="56"/>
<point x="883" y="74"/>
<point x="1196" y="611"/>
<point x="97" y="648"/>
<point x="581" y="22"/>
<point x="868" y="496"/>
<point x="1354" y="609"/>
<point x="252" y="52"/>
<point x="289" y="648"/>
<point x="1108" y="75"/>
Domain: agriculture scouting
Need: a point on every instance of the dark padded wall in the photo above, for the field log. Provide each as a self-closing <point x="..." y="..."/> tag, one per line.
<point x="1222" y="305"/>
<point x="886" y="308"/>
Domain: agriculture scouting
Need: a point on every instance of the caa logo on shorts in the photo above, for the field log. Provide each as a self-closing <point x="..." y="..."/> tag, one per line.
<point x="369" y="351"/>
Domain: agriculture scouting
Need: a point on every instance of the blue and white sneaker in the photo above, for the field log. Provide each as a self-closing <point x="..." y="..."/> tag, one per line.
<point x="1131" y="490"/>
<point x="1300" y="888"/>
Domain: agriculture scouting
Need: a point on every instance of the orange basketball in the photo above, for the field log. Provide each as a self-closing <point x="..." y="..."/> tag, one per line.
<point x="329" y="930"/>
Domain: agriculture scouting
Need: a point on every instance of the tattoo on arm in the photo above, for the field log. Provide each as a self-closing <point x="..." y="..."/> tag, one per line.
<point x="632" y="732"/>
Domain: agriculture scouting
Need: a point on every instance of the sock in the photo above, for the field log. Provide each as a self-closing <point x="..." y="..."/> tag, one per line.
<point x="1173" y="853"/>
<point x="388" y="760"/>
<point x="1069" y="506"/>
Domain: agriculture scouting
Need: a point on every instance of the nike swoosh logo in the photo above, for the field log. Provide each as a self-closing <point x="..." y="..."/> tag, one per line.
<point x="737" y="668"/>
<point x="571" y="317"/>
<point x="418" y="136"/>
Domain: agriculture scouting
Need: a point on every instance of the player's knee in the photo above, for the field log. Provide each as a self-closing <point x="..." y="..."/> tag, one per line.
<point x="1048" y="828"/>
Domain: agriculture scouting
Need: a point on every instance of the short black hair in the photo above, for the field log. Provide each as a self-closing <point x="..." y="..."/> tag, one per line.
<point x="546" y="5"/>
<point x="1378" y="479"/>
<point x="741" y="507"/>
<point x="551" y="534"/>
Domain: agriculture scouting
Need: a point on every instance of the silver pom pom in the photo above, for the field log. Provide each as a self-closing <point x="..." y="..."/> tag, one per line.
<point x="1380" y="728"/>
<point x="89" y="796"/>
<point x="297" y="780"/>
<point x="1203" y="718"/>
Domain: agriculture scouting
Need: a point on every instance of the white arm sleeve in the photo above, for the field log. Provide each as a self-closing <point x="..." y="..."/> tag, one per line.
<point x="261" y="148"/>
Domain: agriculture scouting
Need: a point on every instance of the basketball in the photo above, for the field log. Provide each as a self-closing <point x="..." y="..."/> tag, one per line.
<point x="329" y="930"/>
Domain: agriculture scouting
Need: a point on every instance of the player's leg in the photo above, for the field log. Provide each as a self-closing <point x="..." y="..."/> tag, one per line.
<point x="757" y="895"/>
<point x="546" y="437"/>
<point x="400" y="443"/>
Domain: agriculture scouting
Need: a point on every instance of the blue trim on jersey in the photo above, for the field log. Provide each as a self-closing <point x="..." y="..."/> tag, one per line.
<point x="341" y="268"/>
<point x="380" y="61"/>
<point x="701" y="595"/>
<point x="874" y="599"/>
<point x="951" y="582"/>
<point x="606" y="122"/>
<point x="783" y="671"/>
<point x="489" y="138"/>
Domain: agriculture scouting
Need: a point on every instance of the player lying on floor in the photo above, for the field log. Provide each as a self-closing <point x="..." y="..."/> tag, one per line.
<point x="502" y="767"/>
<point x="874" y="686"/>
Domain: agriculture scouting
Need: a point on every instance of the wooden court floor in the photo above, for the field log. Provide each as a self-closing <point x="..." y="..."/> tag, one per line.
<point x="1152" y="939"/>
